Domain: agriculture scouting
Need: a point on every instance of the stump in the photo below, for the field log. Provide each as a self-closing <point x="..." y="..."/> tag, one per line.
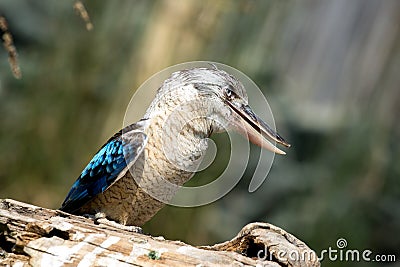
<point x="35" y="236"/>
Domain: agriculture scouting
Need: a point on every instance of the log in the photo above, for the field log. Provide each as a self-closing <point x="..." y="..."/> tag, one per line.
<point x="35" y="236"/>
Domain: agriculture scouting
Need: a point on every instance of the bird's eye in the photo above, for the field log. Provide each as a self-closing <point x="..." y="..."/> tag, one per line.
<point x="229" y="94"/>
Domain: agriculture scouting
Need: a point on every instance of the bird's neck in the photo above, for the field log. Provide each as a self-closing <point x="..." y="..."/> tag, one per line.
<point x="178" y="129"/>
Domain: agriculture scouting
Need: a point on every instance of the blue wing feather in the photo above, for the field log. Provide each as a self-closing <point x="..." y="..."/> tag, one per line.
<point x="104" y="168"/>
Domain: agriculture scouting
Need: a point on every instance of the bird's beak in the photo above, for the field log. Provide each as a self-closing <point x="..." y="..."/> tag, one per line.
<point x="257" y="131"/>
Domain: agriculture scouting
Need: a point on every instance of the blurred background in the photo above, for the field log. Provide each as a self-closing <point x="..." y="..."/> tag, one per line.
<point x="330" y="71"/>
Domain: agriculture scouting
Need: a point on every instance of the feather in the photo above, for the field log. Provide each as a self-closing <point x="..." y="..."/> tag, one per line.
<point x="103" y="170"/>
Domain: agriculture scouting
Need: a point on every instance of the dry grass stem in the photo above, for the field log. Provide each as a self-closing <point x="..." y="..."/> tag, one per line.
<point x="81" y="10"/>
<point x="10" y="48"/>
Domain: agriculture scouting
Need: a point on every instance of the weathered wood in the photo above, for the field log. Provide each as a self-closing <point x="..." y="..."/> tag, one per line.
<point x="35" y="236"/>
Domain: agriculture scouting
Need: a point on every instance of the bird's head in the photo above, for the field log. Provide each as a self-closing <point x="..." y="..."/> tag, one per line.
<point x="222" y="99"/>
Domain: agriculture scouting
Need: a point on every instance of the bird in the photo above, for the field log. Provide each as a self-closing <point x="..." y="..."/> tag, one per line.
<point x="125" y="182"/>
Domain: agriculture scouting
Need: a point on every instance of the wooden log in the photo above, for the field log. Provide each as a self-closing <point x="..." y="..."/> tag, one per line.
<point x="35" y="236"/>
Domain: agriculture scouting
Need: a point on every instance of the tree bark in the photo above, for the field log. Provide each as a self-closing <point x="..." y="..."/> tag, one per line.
<point x="35" y="236"/>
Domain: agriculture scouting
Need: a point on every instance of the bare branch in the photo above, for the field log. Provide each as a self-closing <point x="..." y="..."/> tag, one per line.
<point x="34" y="236"/>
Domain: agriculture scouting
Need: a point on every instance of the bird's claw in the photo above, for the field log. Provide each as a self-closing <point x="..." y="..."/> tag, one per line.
<point x="100" y="219"/>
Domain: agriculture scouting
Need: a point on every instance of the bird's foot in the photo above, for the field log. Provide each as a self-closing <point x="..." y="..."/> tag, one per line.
<point x="101" y="219"/>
